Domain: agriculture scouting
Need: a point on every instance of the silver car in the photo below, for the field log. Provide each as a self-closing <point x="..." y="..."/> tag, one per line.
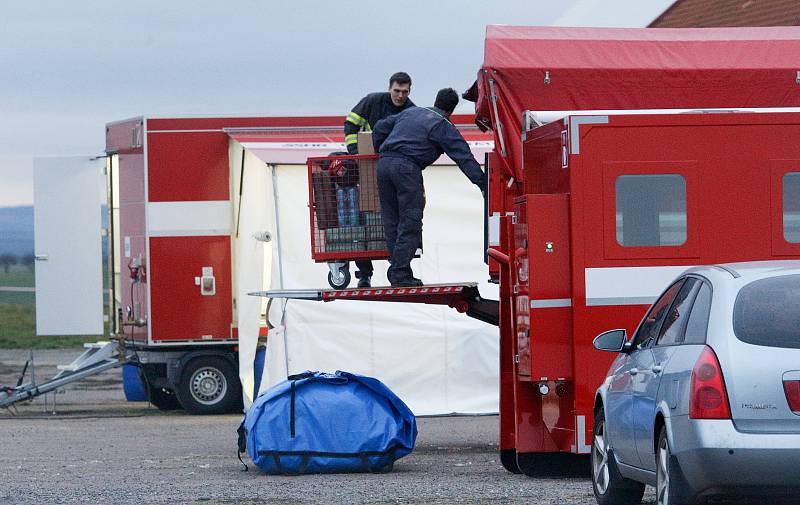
<point x="704" y="400"/>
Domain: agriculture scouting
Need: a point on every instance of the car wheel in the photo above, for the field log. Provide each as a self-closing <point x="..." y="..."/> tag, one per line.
<point x="610" y="487"/>
<point x="209" y="385"/>
<point x="670" y="484"/>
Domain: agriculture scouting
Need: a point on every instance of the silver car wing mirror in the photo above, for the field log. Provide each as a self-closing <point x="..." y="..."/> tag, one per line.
<point x="612" y="340"/>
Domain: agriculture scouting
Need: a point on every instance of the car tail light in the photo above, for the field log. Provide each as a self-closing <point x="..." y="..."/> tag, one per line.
<point x="792" y="390"/>
<point x="708" y="398"/>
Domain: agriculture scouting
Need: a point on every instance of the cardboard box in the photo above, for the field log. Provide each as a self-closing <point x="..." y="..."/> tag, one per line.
<point x="365" y="143"/>
<point x="368" y="199"/>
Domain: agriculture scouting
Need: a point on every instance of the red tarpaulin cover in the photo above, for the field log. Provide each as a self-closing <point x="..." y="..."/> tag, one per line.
<point x="643" y="68"/>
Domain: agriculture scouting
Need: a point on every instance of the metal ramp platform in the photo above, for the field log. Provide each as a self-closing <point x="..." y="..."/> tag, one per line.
<point x="464" y="297"/>
<point x="97" y="357"/>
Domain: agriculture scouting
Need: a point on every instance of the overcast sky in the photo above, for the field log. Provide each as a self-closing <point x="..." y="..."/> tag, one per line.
<point x="71" y="67"/>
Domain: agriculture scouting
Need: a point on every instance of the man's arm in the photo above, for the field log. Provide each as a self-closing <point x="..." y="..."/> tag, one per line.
<point x="452" y="143"/>
<point x="382" y="130"/>
<point x="354" y="123"/>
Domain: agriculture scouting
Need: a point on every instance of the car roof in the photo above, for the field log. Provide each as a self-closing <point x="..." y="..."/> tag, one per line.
<point x="746" y="272"/>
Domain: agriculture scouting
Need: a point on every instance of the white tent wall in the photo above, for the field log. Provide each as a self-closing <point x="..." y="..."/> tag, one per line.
<point x="437" y="360"/>
<point x="252" y="257"/>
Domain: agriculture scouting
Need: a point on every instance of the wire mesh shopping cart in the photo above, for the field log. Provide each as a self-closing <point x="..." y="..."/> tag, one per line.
<point x="345" y="213"/>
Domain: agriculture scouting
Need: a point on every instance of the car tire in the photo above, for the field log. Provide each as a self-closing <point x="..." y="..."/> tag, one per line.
<point x="209" y="385"/>
<point x="610" y="487"/>
<point x="670" y="483"/>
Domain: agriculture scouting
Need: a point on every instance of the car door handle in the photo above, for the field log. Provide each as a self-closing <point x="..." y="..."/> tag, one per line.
<point x="656" y="369"/>
<point x="634" y="371"/>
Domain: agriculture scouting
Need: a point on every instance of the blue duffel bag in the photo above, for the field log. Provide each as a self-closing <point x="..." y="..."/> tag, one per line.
<point x="321" y="423"/>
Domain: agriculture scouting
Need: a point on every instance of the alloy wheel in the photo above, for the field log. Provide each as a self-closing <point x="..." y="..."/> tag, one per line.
<point x="208" y="385"/>
<point x="600" y="460"/>
<point x="662" y="475"/>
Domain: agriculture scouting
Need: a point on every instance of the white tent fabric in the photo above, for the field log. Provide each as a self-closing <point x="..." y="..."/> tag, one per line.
<point x="252" y="257"/>
<point x="437" y="360"/>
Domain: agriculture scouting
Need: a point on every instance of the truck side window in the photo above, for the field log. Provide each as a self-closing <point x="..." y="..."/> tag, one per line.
<point x="651" y="210"/>
<point x="672" y="330"/>
<point x="791" y="207"/>
<point x="649" y="327"/>
<point x="698" y="320"/>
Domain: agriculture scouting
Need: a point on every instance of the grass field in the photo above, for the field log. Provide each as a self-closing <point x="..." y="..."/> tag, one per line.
<point x="18" y="316"/>
<point x="17" y="276"/>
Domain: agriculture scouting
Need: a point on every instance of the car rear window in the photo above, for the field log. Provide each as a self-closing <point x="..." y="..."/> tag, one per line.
<point x="767" y="312"/>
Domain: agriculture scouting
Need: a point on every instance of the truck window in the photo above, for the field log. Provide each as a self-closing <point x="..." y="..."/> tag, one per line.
<point x="651" y="210"/>
<point x="791" y="207"/>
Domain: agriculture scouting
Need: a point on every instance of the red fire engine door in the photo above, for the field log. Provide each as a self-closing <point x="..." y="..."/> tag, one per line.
<point x="543" y="270"/>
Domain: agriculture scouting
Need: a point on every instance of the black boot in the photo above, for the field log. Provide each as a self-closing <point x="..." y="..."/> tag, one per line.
<point x="407" y="283"/>
<point x="365" y="281"/>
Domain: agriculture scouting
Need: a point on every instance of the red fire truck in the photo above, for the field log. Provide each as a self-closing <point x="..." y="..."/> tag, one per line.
<point x="621" y="158"/>
<point x="176" y="204"/>
<point x="595" y="212"/>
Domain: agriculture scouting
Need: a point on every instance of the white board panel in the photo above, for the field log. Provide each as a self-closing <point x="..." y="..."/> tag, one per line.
<point x="67" y="197"/>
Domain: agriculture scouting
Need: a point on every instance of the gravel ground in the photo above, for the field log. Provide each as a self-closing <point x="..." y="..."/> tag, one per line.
<point x="98" y="448"/>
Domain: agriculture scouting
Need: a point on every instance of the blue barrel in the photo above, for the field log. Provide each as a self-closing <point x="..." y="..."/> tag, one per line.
<point x="258" y="367"/>
<point x="132" y="384"/>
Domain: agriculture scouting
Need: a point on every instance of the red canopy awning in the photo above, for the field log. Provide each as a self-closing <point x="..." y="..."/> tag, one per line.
<point x="556" y="68"/>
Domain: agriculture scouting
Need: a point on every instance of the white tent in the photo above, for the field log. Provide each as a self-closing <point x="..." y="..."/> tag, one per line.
<point x="437" y="360"/>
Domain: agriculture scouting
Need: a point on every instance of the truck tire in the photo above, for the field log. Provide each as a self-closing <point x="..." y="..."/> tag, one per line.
<point x="508" y="458"/>
<point x="209" y="385"/>
<point x="552" y="464"/>
<point x="161" y="398"/>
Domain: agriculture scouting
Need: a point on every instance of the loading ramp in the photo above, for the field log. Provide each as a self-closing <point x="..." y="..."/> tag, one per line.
<point x="98" y="357"/>
<point x="464" y="297"/>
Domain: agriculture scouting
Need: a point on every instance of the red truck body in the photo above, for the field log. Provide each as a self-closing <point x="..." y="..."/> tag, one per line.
<point x="594" y="213"/>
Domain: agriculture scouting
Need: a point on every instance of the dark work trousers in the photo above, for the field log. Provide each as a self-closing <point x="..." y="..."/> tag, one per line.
<point x="364" y="268"/>
<point x="402" y="202"/>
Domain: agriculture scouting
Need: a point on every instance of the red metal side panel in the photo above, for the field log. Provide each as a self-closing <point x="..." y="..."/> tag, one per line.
<point x="732" y="167"/>
<point x="179" y="311"/>
<point x="544" y="171"/>
<point x="187" y="166"/>
<point x="218" y="123"/>
<point x="549" y="270"/>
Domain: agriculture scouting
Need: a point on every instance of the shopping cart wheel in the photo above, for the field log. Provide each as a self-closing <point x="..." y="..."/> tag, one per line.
<point x="339" y="276"/>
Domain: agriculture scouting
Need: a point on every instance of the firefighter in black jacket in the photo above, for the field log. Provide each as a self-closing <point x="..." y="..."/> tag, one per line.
<point x="367" y="112"/>
<point x="408" y="142"/>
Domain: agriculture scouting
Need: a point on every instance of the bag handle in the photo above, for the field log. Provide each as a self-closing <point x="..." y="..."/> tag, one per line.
<point x="241" y="445"/>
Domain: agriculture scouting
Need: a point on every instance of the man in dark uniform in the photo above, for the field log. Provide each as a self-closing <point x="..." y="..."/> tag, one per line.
<point x="367" y="112"/>
<point x="408" y="142"/>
